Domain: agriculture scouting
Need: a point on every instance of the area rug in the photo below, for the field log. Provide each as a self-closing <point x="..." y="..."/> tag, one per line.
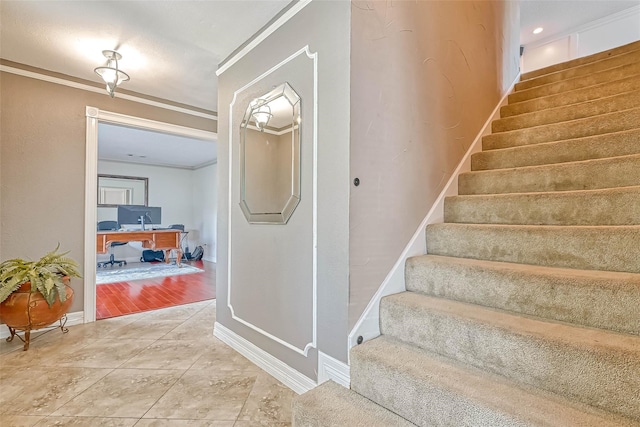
<point x="146" y="272"/>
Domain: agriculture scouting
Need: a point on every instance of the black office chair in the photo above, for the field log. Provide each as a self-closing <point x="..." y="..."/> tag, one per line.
<point x="111" y="226"/>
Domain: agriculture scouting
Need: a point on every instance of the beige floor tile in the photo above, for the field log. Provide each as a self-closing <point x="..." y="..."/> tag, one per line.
<point x="19" y="420"/>
<point x="194" y="328"/>
<point x="140" y="329"/>
<point x="220" y="357"/>
<point x="181" y="312"/>
<point x="261" y="424"/>
<point x="167" y="354"/>
<point x="42" y="353"/>
<point x="87" y="422"/>
<point x="269" y="402"/>
<point x="40" y="390"/>
<point x="183" y="423"/>
<point x="122" y="393"/>
<point x="204" y="395"/>
<point x="106" y="353"/>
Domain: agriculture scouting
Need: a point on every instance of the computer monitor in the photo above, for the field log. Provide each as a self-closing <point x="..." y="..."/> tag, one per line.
<point x="135" y="214"/>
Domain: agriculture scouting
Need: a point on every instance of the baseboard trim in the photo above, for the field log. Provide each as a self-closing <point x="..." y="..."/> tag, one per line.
<point x="75" y="318"/>
<point x="273" y="366"/>
<point x="330" y="368"/>
<point x="368" y="325"/>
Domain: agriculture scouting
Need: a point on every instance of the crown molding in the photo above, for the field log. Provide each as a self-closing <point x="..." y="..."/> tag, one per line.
<point x="89" y="88"/>
<point x="261" y="36"/>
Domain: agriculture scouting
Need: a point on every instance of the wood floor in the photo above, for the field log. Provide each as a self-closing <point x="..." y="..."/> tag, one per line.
<point x="120" y="298"/>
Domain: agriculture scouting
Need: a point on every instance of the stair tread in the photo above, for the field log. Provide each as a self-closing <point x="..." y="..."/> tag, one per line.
<point x="608" y="172"/>
<point x="617" y="276"/>
<point x="589" y="126"/>
<point x="565" y="113"/>
<point x="467" y="391"/>
<point x="592" y="298"/>
<point x="607" y="145"/>
<point x="573" y="83"/>
<point x="338" y="406"/>
<point x="620" y="50"/>
<point x="609" y="206"/>
<point x="571" y="97"/>
<point x="537" y="328"/>
<point x="580" y="70"/>
<point x="601" y="247"/>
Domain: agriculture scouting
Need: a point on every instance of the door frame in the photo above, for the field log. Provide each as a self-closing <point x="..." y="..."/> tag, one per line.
<point x="94" y="116"/>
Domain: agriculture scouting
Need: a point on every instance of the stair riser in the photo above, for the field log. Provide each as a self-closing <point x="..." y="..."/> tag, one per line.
<point x="400" y="392"/>
<point x="578" y="297"/>
<point x="572" y="97"/>
<point x="590" y="126"/>
<point x="580" y="71"/>
<point x="587" y="175"/>
<point x="600" y="207"/>
<point x="563" y="114"/>
<point x="589" y="148"/>
<point x="590" y="375"/>
<point x="617" y="73"/>
<point x="581" y="61"/>
<point x="586" y="248"/>
<point x="332" y="405"/>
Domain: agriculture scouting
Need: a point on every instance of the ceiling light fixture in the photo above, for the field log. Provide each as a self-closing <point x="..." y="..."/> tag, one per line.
<point x="538" y="30"/>
<point x="110" y="73"/>
<point x="262" y="115"/>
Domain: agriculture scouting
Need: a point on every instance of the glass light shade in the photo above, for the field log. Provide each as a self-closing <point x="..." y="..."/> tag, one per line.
<point x="110" y="73"/>
<point x="262" y="116"/>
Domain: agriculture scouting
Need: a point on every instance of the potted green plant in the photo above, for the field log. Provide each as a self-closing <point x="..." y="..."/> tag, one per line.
<point x="35" y="294"/>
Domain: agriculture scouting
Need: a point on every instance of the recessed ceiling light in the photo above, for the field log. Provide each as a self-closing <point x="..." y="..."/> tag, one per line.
<point x="538" y="30"/>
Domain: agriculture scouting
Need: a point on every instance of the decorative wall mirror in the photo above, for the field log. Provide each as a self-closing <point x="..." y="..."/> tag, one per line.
<point x="270" y="157"/>
<point x="114" y="190"/>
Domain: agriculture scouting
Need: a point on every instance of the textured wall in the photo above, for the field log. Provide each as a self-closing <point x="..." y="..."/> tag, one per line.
<point x="425" y="76"/>
<point x="42" y="130"/>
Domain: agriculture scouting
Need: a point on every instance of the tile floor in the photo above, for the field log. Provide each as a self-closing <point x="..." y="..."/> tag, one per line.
<point x="117" y="299"/>
<point x="154" y="369"/>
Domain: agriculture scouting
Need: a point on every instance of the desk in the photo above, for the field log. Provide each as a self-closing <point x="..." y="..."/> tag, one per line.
<point x="164" y="240"/>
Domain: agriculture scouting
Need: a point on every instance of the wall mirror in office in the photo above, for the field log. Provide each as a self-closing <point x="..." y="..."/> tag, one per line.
<point x="270" y="157"/>
<point x="114" y="190"/>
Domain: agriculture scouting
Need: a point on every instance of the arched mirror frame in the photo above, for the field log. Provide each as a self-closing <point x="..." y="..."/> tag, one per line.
<point x="284" y="90"/>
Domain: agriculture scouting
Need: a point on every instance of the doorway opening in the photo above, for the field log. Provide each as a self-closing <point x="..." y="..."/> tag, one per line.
<point x="127" y="146"/>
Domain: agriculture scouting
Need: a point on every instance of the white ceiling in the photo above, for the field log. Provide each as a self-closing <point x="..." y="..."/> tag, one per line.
<point x="557" y="16"/>
<point x="131" y="145"/>
<point x="171" y="50"/>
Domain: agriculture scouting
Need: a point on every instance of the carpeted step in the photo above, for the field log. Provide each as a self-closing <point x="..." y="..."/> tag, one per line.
<point x="331" y="405"/>
<point x="611" y="206"/>
<point x="623" y="101"/>
<point x="580" y="70"/>
<point x="571" y="150"/>
<point x="612" y="74"/>
<point x="610" y="248"/>
<point x="572" y="97"/>
<point x="434" y="391"/>
<point x="599" y="299"/>
<point x="605" y="123"/>
<point x="581" y="61"/>
<point x="611" y="172"/>
<point x="591" y="366"/>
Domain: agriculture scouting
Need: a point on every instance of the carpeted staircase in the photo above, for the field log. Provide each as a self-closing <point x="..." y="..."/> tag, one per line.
<point x="526" y="309"/>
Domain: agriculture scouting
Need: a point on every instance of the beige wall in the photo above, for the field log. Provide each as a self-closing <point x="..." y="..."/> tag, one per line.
<point x="267" y="171"/>
<point x="42" y="134"/>
<point x="425" y="76"/>
<point x="271" y="272"/>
